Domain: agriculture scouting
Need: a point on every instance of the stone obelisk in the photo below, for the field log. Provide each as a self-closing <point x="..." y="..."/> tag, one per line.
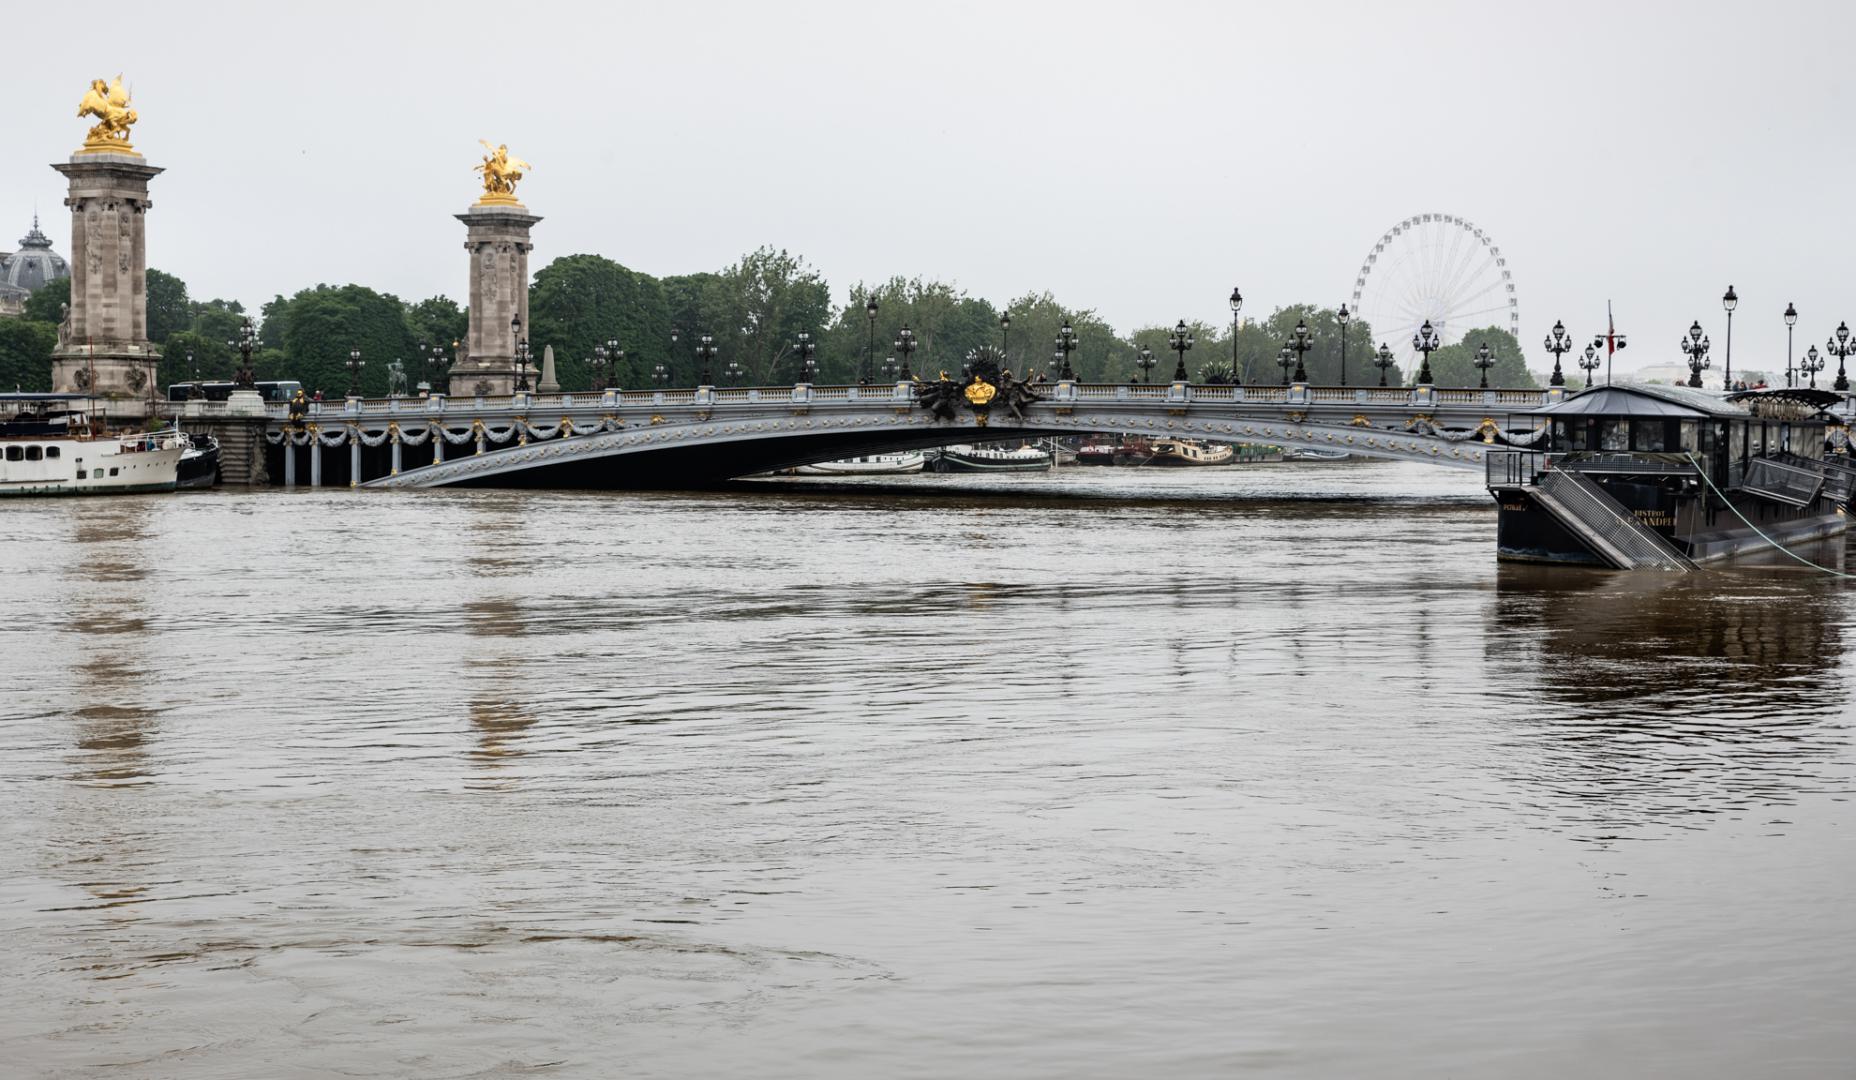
<point x="496" y="236"/>
<point x="103" y="346"/>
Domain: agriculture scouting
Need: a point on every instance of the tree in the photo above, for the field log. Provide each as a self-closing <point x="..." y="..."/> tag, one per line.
<point x="1101" y="355"/>
<point x="168" y="307"/>
<point x="580" y="302"/>
<point x="1454" y="365"/>
<point x="47" y="302"/>
<point x="946" y="322"/>
<point x="319" y="326"/>
<point x="767" y="299"/>
<point x="26" y="354"/>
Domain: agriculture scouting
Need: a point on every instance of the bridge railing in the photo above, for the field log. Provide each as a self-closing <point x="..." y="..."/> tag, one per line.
<point x="1058" y="393"/>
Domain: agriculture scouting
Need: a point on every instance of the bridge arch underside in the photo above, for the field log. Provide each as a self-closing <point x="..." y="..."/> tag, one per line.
<point x="696" y="453"/>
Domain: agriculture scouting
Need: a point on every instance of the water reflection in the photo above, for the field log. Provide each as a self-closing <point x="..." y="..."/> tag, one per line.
<point x="1656" y="696"/>
<point x="498" y="716"/>
<point x="104" y="607"/>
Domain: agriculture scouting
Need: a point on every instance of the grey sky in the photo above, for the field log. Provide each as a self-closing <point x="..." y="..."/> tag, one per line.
<point x="1139" y="159"/>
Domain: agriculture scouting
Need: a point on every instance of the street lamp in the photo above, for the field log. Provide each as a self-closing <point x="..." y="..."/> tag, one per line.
<point x="247" y="340"/>
<point x="1382" y="360"/>
<point x="521" y="354"/>
<point x="1811" y="365"/>
<point x="1485" y="359"/>
<point x="598" y="365"/>
<point x="1791" y="320"/>
<point x="870" y="350"/>
<point x="1005" y="337"/>
<point x="1066" y="344"/>
<point x="1559" y="343"/>
<point x="891" y="369"/>
<point x="660" y="374"/>
<point x="1146" y="363"/>
<point x="803" y="349"/>
<point x="1840" y="347"/>
<point x="1590" y="362"/>
<point x="1342" y="317"/>
<point x="1730" y="301"/>
<point x="1179" y="339"/>
<point x="705" y="352"/>
<point x="1299" y="341"/>
<point x="1427" y="342"/>
<point x="674" y="332"/>
<point x="1695" y="345"/>
<point x="354" y="367"/>
<point x="732" y="371"/>
<point x="1285" y="359"/>
<point x="906" y="344"/>
<point x="1237" y="305"/>
<point x="616" y="357"/>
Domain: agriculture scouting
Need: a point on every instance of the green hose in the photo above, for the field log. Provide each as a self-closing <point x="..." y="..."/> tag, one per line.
<point x="1730" y="505"/>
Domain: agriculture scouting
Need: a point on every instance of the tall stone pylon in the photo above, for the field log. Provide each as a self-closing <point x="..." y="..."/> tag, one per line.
<point x="103" y="347"/>
<point x="496" y="236"/>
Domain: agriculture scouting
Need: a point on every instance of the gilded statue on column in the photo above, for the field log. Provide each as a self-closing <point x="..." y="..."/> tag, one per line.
<point x="500" y="175"/>
<point x="109" y="103"/>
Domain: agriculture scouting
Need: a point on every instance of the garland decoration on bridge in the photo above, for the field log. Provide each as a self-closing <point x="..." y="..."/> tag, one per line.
<point x="425" y="434"/>
<point x="497" y="435"/>
<point x="461" y="437"/>
<point x="340" y="437"/>
<point x="373" y="441"/>
<point x="1488" y="431"/>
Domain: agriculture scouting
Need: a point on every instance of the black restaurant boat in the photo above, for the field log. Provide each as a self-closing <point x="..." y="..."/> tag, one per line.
<point x="1645" y="476"/>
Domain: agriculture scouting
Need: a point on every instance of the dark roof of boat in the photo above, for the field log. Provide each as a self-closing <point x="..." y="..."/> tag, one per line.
<point x="1646" y="399"/>
<point x="1809" y="397"/>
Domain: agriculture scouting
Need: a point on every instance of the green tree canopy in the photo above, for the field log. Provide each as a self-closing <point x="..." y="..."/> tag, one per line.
<point x="168" y="307"/>
<point x="580" y="302"/>
<point x="317" y="328"/>
<point x="26" y="354"/>
<point x="47" y="302"/>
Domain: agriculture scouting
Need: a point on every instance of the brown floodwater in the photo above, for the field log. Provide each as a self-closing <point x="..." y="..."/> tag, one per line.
<point x="1268" y="770"/>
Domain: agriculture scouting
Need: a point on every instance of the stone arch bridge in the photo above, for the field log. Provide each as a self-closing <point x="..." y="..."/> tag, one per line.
<point x="620" y="439"/>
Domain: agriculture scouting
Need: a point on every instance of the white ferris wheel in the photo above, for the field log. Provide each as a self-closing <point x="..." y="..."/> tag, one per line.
<point x="1436" y="267"/>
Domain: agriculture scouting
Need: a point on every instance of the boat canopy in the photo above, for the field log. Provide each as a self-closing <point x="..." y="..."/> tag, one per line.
<point x="1642" y="400"/>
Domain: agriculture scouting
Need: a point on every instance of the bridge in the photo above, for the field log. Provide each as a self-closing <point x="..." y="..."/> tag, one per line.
<point x="661" y="438"/>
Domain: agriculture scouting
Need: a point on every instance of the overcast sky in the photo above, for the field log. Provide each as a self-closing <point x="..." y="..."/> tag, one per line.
<point x="1135" y="158"/>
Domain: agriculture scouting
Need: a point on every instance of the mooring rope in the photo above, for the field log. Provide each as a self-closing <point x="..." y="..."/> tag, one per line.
<point x="1704" y="479"/>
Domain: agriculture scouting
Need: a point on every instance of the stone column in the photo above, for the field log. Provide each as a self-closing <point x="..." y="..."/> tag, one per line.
<point x="497" y="239"/>
<point x="103" y="345"/>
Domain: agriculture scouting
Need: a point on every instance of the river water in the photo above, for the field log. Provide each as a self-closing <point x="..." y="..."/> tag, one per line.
<point x="1268" y="770"/>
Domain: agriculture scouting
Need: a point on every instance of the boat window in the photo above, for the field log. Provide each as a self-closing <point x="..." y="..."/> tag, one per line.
<point x="1737" y="448"/>
<point x="51" y="452"/>
<point x="1755" y="439"/>
<point x="112" y="472"/>
<point x="1614" y="435"/>
<point x="15" y="453"/>
<point x="81" y="474"/>
<point x="1691" y="432"/>
<point x="1647" y="435"/>
<point x="1559" y="436"/>
<point x="34" y="453"/>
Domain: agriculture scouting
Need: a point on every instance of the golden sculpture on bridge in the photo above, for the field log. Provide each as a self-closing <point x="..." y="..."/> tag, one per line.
<point x="109" y="103"/>
<point x="500" y="174"/>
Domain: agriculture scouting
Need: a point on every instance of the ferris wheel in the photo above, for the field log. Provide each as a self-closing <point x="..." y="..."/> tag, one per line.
<point x="1437" y="267"/>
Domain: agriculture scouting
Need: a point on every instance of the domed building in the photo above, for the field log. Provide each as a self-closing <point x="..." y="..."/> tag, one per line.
<point x="33" y="265"/>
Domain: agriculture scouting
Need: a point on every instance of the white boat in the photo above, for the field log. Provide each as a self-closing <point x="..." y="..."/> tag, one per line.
<point x="56" y="451"/>
<point x="1316" y="453"/>
<point x="868" y="465"/>
<point x="1190" y="452"/>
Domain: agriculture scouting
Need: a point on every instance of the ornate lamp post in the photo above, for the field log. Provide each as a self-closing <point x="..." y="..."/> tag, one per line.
<point x="870" y="350"/>
<point x="616" y="357"/>
<point x="521" y="357"/>
<point x="1237" y="305"/>
<point x="1559" y="343"/>
<point x="1145" y="361"/>
<point x="1811" y="364"/>
<point x="246" y="341"/>
<point x="1791" y="320"/>
<point x="1179" y="339"/>
<point x="1005" y="336"/>
<point x="660" y="374"/>
<point x="1285" y="359"/>
<point x="705" y="352"/>
<point x="1840" y="347"/>
<point x="1590" y="362"/>
<point x="1342" y="317"/>
<point x="732" y="371"/>
<point x="674" y="332"/>
<point x="1730" y="301"/>
<point x="1299" y="340"/>
<point x="1066" y="344"/>
<point x="1485" y="359"/>
<point x="891" y="370"/>
<point x="601" y="357"/>
<point x="1382" y="360"/>
<point x="1695" y="346"/>
<point x="803" y="350"/>
<point x="906" y="344"/>
<point x="354" y="366"/>
<point x="1427" y="342"/>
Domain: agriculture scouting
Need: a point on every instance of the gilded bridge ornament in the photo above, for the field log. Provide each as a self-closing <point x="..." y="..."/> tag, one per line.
<point x="109" y="103"/>
<point x="500" y="174"/>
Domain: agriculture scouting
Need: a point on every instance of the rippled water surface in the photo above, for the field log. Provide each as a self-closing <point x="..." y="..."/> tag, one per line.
<point x="1264" y="771"/>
